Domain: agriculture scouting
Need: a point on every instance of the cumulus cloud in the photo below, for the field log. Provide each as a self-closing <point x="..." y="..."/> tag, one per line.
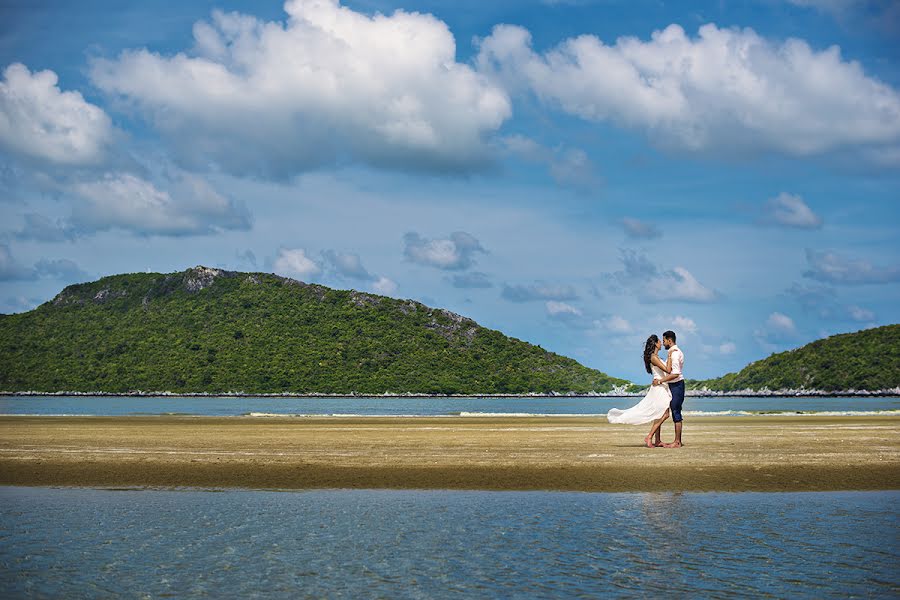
<point x="789" y="210"/>
<point x="10" y="269"/>
<point x="569" y="167"/>
<point x="650" y="284"/>
<point x="726" y="91"/>
<point x="778" y="329"/>
<point x="62" y="269"/>
<point x="727" y="348"/>
<point x="614" y="324"/>
<point x="636" y="229"/>
<point x="822" y="301"/>
<point x="328" y="85"/>
<point x="830" y="267"/>
<point x="538" y="291"/>
<point x="40" y="121"/>
<point x="454" y="253"/>
<point x="384" y="286"/>
<point x="43" y="229"/>
<point x="858" y="313"/>
<point x="471" y="280"/>
<point x="125" y="201"/>
<point x="684" y="325"/>
<point x="347" y="264"/>
<point x="561" y="310"/>
<point x="294" y="262"/>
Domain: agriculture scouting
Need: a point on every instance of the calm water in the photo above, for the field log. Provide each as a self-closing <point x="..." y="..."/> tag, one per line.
<point x="437" y="544"/>
<point x="111" y="405"/>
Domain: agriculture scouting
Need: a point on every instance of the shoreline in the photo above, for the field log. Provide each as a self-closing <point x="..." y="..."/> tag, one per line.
<point x="724" y="454"/>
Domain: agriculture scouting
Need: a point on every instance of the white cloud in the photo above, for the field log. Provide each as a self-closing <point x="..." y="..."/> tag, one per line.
<point x="858" y="313"/>
<point x="454" y="253"/>
<point x="614" y="324"/>
<point x="40" y="121"/>
<point x="778" y="330"/>
<point x="727" y="348"/>
<point x="822" y="300"/>
<point x="347" y="264"/>
<point x="570" y="167"/>
<point x="637" y="229"/>
<point x="43" y="229"/>
<point x="684" y="324"/>
<point x="10" y="269"/>
<point x="295" y="263"/>
<point x="328" y="85"/>
<point x="833" y="268"/>
<point x="471" y="280"/>
<point x="561" y="309"/>
<point x="726" y="91"/>
<point x="62" y="269"/>
<point x="679" y="284"/>
<point x="780" y="322"/>
<point x="650" y="284"/>
<point x="125" y="201"/>
<point x="538" y="291"/>
<point x="790" y="210"/>
<point x="384" y="286"/>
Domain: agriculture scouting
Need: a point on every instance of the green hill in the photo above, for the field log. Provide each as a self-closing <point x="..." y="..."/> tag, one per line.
<point x="865" y="360"/>
<point x="208" y="330"/>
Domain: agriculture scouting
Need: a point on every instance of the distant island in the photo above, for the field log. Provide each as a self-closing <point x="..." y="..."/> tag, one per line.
<point x="211" y="331"/>
<point x="865" y="361"/>
<point x="215" y="332"/>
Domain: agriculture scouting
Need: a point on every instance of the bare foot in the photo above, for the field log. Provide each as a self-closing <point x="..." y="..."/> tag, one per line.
<point x="647" y="441"/>
<point x="673" y="445"/>
<point x="658" y="444"/>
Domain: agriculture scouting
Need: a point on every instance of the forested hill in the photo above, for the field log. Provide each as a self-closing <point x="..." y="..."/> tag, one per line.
<point x="208" y="330"/>
<point x="865" y="360"/>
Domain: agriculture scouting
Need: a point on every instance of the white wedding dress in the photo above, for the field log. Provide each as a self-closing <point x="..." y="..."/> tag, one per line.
<point x="649" y="409"/>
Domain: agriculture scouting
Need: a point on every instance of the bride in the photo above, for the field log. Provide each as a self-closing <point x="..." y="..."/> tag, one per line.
<point x="655" y="405"/>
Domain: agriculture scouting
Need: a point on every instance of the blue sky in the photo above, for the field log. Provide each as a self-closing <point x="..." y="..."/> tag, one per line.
<point x="576" y="174"/>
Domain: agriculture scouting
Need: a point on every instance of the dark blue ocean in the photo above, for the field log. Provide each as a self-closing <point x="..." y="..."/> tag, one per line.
<point x="91" y="543"/>
<point x="231" y="406"/>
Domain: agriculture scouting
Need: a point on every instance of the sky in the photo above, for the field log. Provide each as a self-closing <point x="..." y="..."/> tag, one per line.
<point x="577" y="174"/>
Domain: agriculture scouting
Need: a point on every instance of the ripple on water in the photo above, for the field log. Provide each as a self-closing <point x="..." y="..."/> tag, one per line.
<point x="83" y="542"/>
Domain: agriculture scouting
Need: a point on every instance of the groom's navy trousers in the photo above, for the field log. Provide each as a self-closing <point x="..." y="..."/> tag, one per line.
<point x="677" y="389"/>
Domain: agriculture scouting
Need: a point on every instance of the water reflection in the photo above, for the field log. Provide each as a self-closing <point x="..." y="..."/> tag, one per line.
<point x="80" y="542"/>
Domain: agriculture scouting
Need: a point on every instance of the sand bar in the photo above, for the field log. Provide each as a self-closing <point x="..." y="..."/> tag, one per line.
<point x="493" y="453"/>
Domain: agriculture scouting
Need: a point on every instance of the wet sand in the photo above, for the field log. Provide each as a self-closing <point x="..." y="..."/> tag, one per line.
<point x="492" y="453"/>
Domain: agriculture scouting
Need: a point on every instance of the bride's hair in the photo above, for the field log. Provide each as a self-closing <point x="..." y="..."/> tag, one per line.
<point x="649" y="349"/>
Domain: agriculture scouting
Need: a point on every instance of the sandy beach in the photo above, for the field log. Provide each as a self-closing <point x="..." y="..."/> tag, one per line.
<point x="492" y="453"/>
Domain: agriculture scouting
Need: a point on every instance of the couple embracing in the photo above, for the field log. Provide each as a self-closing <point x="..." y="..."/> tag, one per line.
<point x="666" y="395"/>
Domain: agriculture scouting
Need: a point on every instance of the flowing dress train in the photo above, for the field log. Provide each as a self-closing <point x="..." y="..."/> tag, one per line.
<point x="650" y="408"/>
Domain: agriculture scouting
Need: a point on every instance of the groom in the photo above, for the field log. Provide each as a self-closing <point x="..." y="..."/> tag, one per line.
<point x="675" y="379"/>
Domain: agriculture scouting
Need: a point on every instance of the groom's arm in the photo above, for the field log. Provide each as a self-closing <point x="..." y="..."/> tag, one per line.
<point x="674" y="374"/>
<point x="668" y="378"/>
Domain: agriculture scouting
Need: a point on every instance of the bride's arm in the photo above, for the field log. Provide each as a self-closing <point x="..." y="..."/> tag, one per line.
<point x="665" y="366"/>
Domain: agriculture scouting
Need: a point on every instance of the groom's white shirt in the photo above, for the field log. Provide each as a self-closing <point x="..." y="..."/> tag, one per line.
<point x="677" y="363"/>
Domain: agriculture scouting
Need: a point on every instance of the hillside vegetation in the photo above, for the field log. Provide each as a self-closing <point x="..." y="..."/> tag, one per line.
<point x="865" y="360"/>
<point x="214" y="331"/>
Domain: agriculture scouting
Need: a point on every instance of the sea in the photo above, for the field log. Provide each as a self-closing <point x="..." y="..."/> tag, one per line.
<point x="105" y="543"/>
<point x="58" y="542"/>
<point x="433" y="406"/>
